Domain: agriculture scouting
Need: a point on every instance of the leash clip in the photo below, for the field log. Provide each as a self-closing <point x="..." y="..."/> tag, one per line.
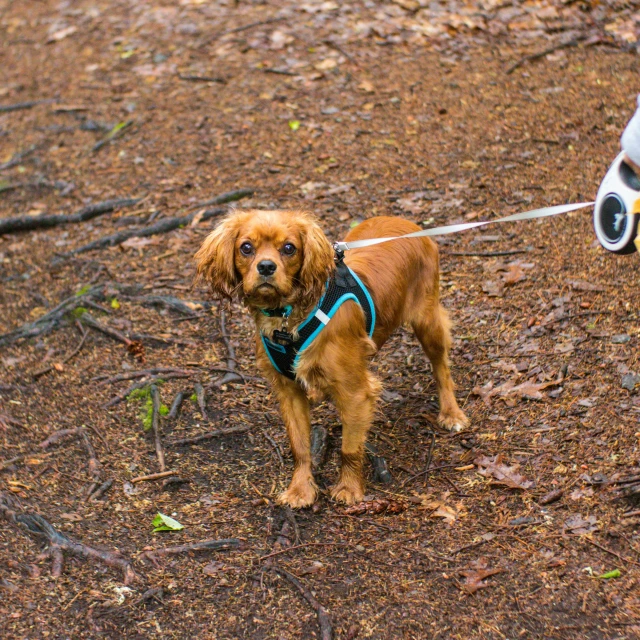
<point x="339" y="249"/>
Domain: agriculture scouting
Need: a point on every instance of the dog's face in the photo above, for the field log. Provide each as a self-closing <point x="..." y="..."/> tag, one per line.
<point x="268" y="258"/>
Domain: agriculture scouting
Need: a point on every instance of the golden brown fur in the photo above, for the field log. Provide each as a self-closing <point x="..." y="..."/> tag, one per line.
<point x="403" y="279"/>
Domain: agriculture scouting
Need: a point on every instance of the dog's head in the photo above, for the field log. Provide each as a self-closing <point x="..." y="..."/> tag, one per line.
<point x="268" y="258"/>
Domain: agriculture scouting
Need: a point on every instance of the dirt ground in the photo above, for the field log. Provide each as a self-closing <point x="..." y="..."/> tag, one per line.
<point x="349" y="110"/>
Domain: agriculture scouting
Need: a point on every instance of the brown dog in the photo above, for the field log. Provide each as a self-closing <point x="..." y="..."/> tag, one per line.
<point x="277" y="260"/>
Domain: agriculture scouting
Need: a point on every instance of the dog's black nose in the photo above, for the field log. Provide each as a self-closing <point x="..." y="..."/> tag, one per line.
<point x="266" y="267"/>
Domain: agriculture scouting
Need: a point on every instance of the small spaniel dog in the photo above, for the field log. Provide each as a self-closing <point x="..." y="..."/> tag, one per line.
<point x="319" y="322"/>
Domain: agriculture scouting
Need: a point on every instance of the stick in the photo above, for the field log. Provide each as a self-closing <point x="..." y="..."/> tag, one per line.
<point x="231" y="354"/>
<point x="41" y="372"/>
<point x="59" y="435"/>
<point x="163" y="226"/>
<point x="192" y="78"/>
<point x="6" y="108"/>
<point x="534" y="56"/>
<point x="114" y="134"/>
<point x="208" y="436"/>
<point x="29" y="223"/>
<point x="155" y="425"/>
<point x="202" y="403"/>
<point x="324" y="621"/>
<point x="613" y="553"/>
<point x="260" y="23"/>
<point x="318" y="445"/>
<point x="58" y="543"/>
<point x="140" y="374"/>
<point x="274" y="445"/>
<point x="49" y="320"/>
<point x="228" y="196"/>
<point x="17" y="159"/>
<point x="176" y="405"/>
<point x="101" y="490"/>
<point x="154" y="476"/>
<point x="205" y="545"/>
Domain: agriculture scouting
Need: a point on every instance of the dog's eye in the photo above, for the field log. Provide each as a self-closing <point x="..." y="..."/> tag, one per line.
<point x="246" y="248"/>
<point x="288" y="249"/>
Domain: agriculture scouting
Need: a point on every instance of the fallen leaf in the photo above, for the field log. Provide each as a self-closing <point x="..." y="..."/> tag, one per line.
<point x="165" y="523"/>
<point x="476" y="575"/>
<point x="326" y="65"/>
<point x="61" y="34"/>
<point x="579" y="526"/>
<point x="501" y="473"/>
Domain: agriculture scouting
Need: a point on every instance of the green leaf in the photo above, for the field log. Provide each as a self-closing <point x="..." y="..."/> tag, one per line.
<point x="115" y="304"/>
<point x="294" y="125"/>
<point x="84" y="290"/>
<point x="78" y="312"/>
<point x="610" y="574"/>
<point x="165" y="523"/>
<point x="193" y="397"/>
<point x="164" y="410"/>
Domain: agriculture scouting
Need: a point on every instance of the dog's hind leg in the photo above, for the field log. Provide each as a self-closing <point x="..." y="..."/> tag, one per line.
<point x="431" y="326"/>
<point x="302" y="491"/>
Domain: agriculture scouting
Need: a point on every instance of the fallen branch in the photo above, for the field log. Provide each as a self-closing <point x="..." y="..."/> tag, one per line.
<point x="58" y="543"/>
<point x="6" y="108"/>
<point x="232" y="376"/>
<point x="100" y="491"/>
<point x="541" y="54"/>
<point x="195" y="78"/>
<point x="41" y="372"/>
<point x="155" y="426"/>
<point x="208" y="436"/>
<point x="175" y="405"/>
<point x="49" y="320"/>
<point x="134" y="347"/>
<point x="324" y="621"/>
<point x="162" y="226"/>
<point x="205" y="545"/>
<point x="154" y="476"/>
<point x="59" y="435"/>
<point x="139" y="374"/>
<point x="29" y="223"/>
<point x="202" y="403"/>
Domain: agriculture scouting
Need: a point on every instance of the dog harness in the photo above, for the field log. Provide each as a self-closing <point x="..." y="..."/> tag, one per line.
<point x="284" y="352"/>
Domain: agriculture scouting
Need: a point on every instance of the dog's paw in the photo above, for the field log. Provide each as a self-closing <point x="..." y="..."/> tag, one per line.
<point x="299" y="496"/>
<point x="347" y="493"/>
<point x="455" y="421"/>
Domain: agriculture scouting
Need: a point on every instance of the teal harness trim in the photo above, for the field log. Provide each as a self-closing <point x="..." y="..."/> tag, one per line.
<point x="344" y="285"/>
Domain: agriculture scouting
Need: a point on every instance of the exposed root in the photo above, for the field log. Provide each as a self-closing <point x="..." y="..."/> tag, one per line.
<point x="57" y="544"/>
<point x="205" y="545"/>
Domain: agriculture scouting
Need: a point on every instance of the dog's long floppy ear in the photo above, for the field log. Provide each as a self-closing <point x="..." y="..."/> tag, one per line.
<point x="317" y="262"/>
<point x="215" y="258"/>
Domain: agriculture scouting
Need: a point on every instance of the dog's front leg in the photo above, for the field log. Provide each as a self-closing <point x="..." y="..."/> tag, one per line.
<point x="355" y="400"/>
<point x="294" y="405"/>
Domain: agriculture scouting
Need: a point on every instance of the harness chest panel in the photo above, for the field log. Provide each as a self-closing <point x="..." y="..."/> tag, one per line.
<point x="344" y="285"/>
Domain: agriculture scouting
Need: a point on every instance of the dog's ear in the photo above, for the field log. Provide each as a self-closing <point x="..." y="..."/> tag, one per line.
<point x="317" y="261"/>
<point x="215" y="260"/>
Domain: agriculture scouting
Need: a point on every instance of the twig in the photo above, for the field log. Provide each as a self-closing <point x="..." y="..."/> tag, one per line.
<point x="324" y="621"/>
<point x="84" y="334"/>
<point x="58" y="543"/>
<point x="318" y="445"/>
<point x="245" y="27"/>
<point x="94" y="463"/>
<point x="29" y="223"/>
<point x="101" y="490"/>
<point x="610" y="552"/>
<point x="274" y="445"/>
<point x="228" y="196"/>
<point x="59" y="435"/>
<point x="155" y="425"/>
<point x="202" y="403"/>
<point x="6" y="108"/>
<point x="208" y="436"/>
<point x="205" y="545"/>
<point x="231" y="354"/>
<point x="154" y="476"/>
<point x="8" y="463"/>
<point x="140" y="374"/>
<point x="196" y="78"/>
<point x="162" y="226"/>
<point x="17" y="158"/>
<point x="417" y="475"/>
<point x="535" y="56"/>
<point x="114" y="134"/>
<point x="175" y="405"/>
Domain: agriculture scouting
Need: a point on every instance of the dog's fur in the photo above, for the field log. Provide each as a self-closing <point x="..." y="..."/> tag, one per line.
<point x="403" y="279"/>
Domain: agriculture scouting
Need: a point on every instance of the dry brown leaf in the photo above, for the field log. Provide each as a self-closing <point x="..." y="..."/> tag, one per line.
<point x="476" y="575"/>
<point x="501" y="473"/>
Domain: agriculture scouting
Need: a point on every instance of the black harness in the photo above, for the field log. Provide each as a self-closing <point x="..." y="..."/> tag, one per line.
<point x="284" y="352"/>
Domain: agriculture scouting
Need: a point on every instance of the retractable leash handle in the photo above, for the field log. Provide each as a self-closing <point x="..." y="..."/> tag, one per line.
<point x="617" y="212"/>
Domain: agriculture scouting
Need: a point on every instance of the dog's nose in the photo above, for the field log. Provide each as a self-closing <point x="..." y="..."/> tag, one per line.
<point x="266" y="267"/>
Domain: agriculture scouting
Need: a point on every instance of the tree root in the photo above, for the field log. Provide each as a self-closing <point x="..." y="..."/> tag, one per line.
<point x="208" y="436"/>
<point x="58" y="543"/>
<point x="205" y="545"/>
<point x="29" y="223"/>
<point x="326" y="632"/>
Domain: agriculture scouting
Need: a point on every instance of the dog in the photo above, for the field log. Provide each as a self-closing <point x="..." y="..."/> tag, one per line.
<point x="281" y="265"/>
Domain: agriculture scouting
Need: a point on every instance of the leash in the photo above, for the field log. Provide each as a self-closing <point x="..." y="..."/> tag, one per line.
<point x="341" y="247"/>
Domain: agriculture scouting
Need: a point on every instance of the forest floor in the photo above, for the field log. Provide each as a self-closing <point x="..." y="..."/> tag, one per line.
<point x="517" y="529"/>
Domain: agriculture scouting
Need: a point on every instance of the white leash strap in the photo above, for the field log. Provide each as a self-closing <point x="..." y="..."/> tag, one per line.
<point x="454" y="228"/>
